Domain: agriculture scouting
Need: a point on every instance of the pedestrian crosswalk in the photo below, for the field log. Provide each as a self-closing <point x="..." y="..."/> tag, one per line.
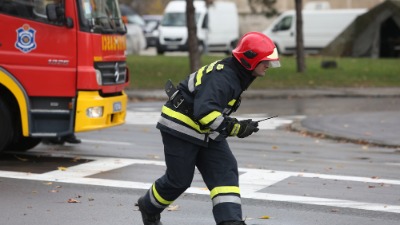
<point x="253" y="182"/>
<point x="151" y="118"/>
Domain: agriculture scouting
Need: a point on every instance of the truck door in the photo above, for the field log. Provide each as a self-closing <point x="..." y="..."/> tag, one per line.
<point x="41" y="54"/>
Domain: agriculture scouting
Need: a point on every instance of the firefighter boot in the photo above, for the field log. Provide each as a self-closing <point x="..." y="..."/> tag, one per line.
<point x="72" y="139"/>
<point x="232" y="223"/>
<point x="148" y="219"/>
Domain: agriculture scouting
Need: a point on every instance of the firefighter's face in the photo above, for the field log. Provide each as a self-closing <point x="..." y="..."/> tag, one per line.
<point x="261" y="69"/>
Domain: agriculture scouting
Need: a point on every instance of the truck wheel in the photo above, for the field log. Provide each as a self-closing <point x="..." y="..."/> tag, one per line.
<point x="5" y="126"/>
<point x="24" y="144"/>
<point x="18" y="141"/>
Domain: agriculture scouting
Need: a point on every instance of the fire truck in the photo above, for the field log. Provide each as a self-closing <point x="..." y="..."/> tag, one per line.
<point x="62" y="69"/>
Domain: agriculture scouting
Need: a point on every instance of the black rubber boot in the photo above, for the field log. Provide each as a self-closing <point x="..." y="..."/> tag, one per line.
<point x="72" y="139"/>
<point x="148" y="219"/>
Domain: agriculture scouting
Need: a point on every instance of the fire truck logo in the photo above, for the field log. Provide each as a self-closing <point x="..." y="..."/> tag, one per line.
<point x="116" y="74"/>
<point x="25" y="39"/>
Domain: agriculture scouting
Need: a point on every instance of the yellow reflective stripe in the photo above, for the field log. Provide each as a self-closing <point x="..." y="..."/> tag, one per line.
<point x="235" y="129"/>
<point x="210" y="117"/>
<point x="211" y="66"/>
<point x="199" y="75"/>
<point x="220" y="66"/>
<point x="183" y="118"/>
<point x="232" y="102"/>
<point x="159" y="198"/>
<point x="224" y="190"/>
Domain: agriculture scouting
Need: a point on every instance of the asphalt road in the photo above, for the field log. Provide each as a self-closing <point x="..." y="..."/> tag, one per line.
<point x="286" y="177"/>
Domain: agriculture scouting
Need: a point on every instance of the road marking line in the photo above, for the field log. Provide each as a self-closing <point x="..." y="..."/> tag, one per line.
<point x="106" y="142"/>
<point x="151" y="118"/>
<point x="251" y="181"/>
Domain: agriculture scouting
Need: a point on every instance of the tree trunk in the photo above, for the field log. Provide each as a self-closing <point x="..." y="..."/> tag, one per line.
<point x="300" y="58"/>
<point x="194" y="54"/>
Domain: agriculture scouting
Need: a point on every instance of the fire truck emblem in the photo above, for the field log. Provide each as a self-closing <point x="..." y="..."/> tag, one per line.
<point x="25" y="39"/>
<point x="116" y="74"/>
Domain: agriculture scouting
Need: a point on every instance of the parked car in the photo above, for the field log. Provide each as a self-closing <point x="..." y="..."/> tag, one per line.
<point x="151" y="29"/>
<point x="135" y="39"/>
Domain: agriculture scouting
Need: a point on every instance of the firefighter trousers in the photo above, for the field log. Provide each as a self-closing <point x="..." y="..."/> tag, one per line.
<point x="217" y="166"/>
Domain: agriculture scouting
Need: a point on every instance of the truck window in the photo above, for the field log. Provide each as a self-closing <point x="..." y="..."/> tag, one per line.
<point x="33" y="10"/>
<point x="101" y="16"/>
<point x="284" y="24"/>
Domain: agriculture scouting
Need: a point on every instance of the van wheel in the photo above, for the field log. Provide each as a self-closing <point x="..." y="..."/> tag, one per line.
<point x="160" y="51"/>
<point x="5" y="126"/>
<point x="201" y="48"/>
<point x="277" y="48"/>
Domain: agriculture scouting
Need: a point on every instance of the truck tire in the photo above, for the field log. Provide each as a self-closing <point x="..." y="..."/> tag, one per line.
<point x="24" y="144"/>
<point x="5" y="126"/>
<point x="18" y="142"/>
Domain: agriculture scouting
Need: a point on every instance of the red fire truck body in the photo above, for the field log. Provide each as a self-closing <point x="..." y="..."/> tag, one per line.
<point x="62" y="69"/>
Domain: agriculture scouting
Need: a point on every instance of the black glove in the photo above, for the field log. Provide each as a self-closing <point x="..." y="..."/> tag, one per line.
<point x="247" y="127"/>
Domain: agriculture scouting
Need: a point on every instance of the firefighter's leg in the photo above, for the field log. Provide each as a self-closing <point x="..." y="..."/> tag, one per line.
<point x="219" y="169"/>
<point x="180" y="158"/>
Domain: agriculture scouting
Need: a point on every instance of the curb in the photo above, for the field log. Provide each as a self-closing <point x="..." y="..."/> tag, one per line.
<point x="296" y="126"/>
<point x="158" y="94"/>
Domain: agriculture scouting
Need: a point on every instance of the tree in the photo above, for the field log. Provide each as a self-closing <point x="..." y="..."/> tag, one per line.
<point x="300" y="58"/>
<point x="266" y="6"/>
<point x="193" y="43"/>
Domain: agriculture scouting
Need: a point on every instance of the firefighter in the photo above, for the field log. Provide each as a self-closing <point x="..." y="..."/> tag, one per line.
<point x="195" y="123"/>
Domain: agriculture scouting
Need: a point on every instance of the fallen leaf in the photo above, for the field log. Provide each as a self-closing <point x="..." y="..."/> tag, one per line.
<point x="72" y="200"/>
<point x="76" y="159"/>
<point x="153" y="156"/>
<point x="21" y="159"/>
<point x="48" y="183"/>
<point x="264" y="217"/>
<point x="61" y="168"/>
<point x="173" y="208"/>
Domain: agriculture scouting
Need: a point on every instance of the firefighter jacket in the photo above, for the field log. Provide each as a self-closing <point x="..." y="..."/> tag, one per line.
<point x="208" y="97"/>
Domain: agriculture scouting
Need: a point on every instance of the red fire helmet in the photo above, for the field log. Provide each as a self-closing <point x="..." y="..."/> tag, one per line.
<point x="255" y="47"/>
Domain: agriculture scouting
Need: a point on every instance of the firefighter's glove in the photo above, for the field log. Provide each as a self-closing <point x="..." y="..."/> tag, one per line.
<point x="244" y="128"/>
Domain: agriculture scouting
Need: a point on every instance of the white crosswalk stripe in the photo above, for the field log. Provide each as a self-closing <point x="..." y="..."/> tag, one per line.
<point x="151" y="118"/>
<point x="252" y="181"/>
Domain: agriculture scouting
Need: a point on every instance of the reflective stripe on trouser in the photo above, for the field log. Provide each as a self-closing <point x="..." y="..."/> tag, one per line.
<point x="217" y="166"/>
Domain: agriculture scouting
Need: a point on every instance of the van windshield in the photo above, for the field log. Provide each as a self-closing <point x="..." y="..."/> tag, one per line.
<point x="176" y="19"/>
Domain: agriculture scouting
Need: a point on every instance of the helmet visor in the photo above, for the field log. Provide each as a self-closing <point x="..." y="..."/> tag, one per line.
<point x="274" y="64"/>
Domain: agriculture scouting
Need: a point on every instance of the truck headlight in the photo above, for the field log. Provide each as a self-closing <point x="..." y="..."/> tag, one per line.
<point x="98" y="77"/>
<point x="95" y="112"/>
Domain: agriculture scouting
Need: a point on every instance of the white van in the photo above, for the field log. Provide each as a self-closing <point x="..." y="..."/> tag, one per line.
<point x="217" y="30"/>
<point x="320" y="27"/>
